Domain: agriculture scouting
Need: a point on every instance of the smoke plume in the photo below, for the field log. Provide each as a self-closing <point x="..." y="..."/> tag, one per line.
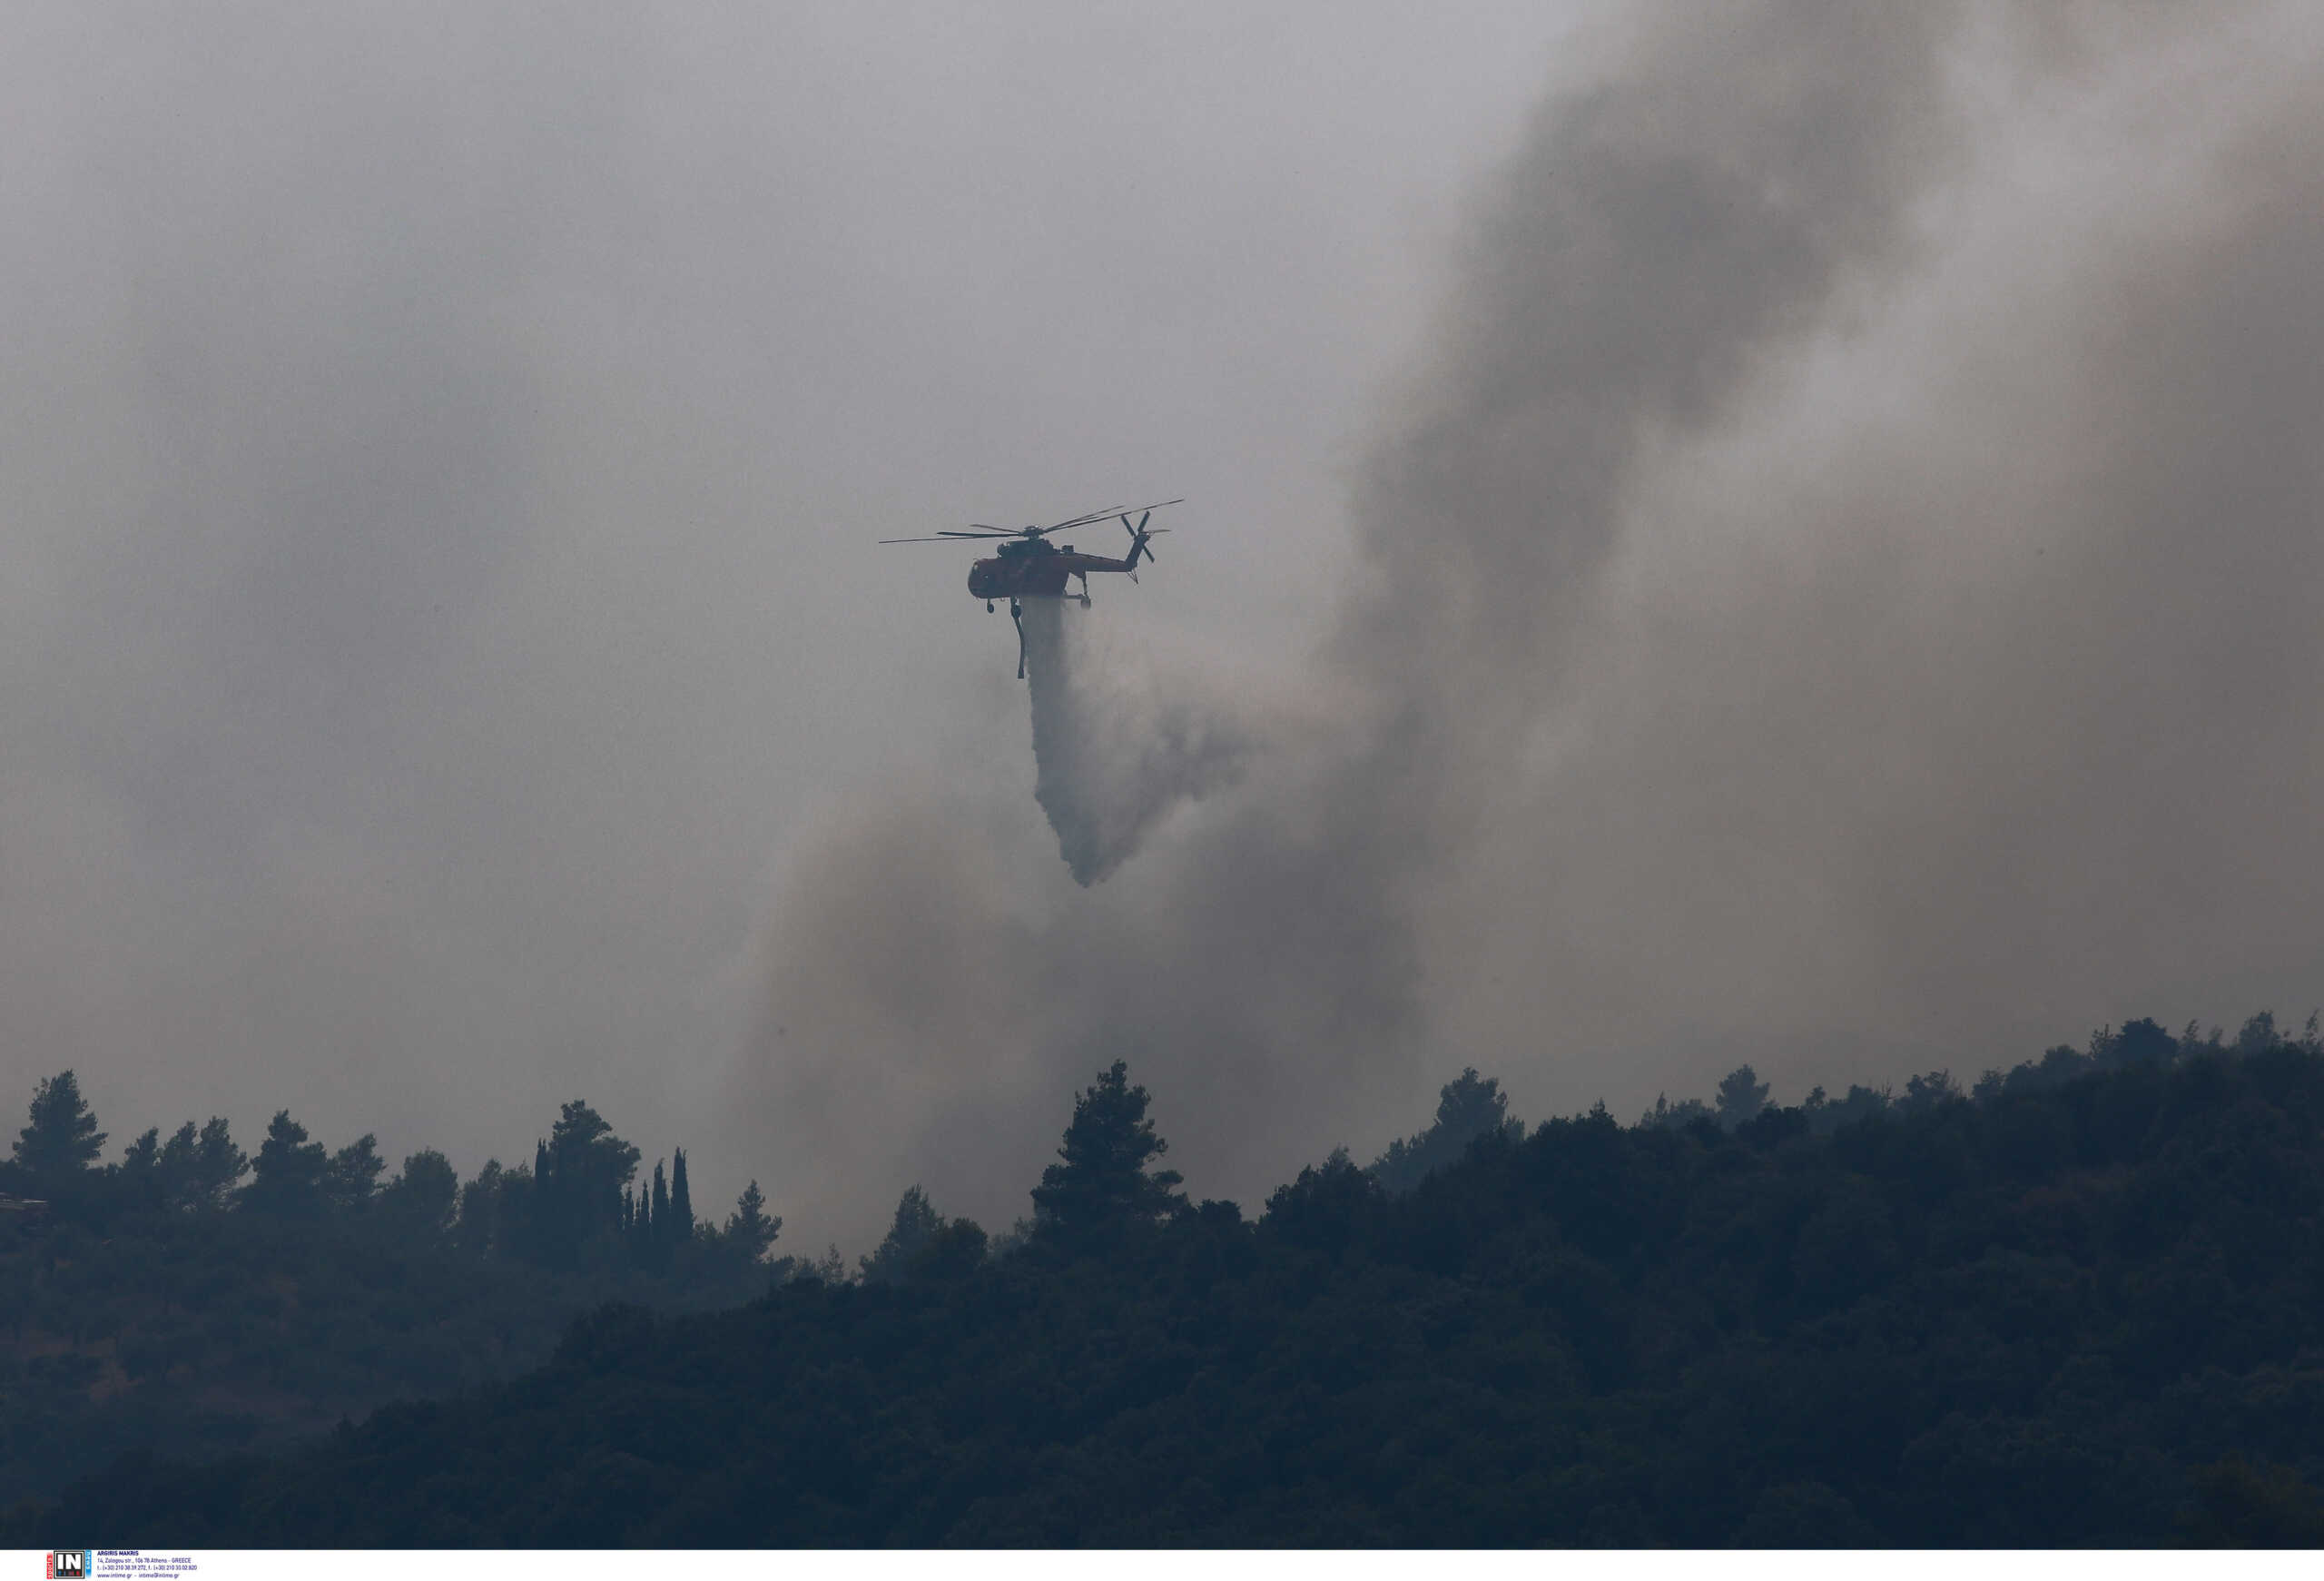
<point x="1841" y="592"/>
<point x="1113" y="754"/>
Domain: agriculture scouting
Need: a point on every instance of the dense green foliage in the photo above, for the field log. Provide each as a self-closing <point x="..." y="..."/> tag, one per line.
<point x="2078" y="1305"/>
<point x="193" y="1297"/>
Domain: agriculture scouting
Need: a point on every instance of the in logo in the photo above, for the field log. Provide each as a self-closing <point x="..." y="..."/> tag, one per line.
<point x="69" y="1564"/>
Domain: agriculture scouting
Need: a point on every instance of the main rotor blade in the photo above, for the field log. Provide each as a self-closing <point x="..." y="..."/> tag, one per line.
<point x="1125" y="510"/>
<point x="1060" y="526"/>
<point x="1115" y="510"/>
<point x="982" y="530"/>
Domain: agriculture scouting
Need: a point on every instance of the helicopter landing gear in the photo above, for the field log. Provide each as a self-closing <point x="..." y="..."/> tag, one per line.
<point x="988" y="605"/>
<point x="1016" y="614"/>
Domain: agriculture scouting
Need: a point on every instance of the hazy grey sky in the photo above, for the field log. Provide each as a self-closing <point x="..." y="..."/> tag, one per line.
<point x="1788" y="528"/>
<point x="443" y="449"/>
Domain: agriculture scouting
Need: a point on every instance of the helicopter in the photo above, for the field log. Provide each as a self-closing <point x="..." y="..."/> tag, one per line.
<point x="1028" y="565"/>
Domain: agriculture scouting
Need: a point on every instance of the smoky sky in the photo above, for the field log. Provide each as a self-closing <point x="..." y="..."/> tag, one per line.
<point x="1800" y="545"/>
<point x="1113" y="755"/>
<point x="445" y="447"/>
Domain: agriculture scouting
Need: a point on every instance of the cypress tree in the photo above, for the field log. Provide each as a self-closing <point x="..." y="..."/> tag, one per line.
<point x="681" y="1200"/>
<point x="659" y="1237"/>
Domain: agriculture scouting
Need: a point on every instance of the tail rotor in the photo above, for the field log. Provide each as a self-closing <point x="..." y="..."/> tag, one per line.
<point x="1139" y="537"/>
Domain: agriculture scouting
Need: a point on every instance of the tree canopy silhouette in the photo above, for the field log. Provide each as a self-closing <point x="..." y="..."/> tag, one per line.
<point x="287" y="1177"/>
<point x="62" y="1139"/>
<point x="2076" y="1305"/>
<point x="750" y="1228"/>
<point x="1741" y="1096"/>
<point x="162" y="1299"/>
<point x="1102" y="1186"/>
<point x="1467" y="1107"/>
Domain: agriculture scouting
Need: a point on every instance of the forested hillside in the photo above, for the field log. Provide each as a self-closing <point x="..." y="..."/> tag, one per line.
<point x="2077" y="1304"/>
<point x="192" y="1297"/>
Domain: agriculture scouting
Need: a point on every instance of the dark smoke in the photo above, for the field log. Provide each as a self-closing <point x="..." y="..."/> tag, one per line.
<point x="1844" y="591"/>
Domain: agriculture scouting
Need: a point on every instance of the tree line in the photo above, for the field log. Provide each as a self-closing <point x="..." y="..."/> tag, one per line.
<point x="2073" y="1303"/>
<point x="194" y="1294"/>
<point x="580" y="1202"/>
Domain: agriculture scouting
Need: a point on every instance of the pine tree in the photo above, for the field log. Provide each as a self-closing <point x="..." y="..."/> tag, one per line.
<point x="916" y="1223"/>
<point x="141" y="1167"/>
<point x="1676" y="1116"/>
<point x="1741" y="1096"/>
<point x="749" y="1230"/>
<point x="288" y="1177"/>
<point x="1467" y="1107"/>
<point x="580" y="1172"/>
<point x="63" y="1140"/>
<point x="217" y="1164"/>
<point x="1102" y="1186"/>
<point x="141" y="1158"/>
<point x="477" y="1228"/>
<point x="178" y="1169"/>
<point x="353" y="1178"/>
<point x="426" y="1194"/>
